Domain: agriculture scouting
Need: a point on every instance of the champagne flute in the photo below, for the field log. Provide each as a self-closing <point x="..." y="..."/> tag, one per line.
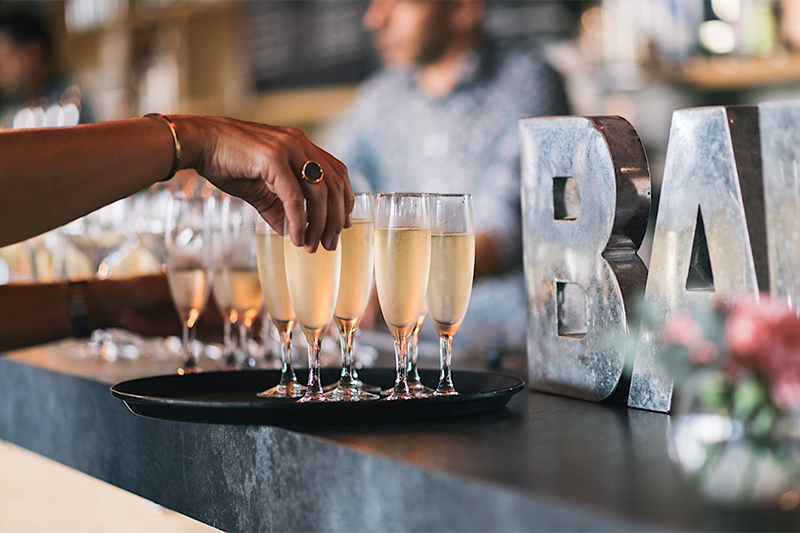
<point x="240" y="269"/>
<point x="452" y="270"/>
<point x="313" y="280"/>
<point x="189" y="265"/>
<point x="402" y="264"/>
<point x="272" y="274"/>
<point x="355" y="286"/>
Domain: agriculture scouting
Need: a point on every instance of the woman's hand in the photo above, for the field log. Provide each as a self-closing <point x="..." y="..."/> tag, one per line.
<point x="262" y="164"/>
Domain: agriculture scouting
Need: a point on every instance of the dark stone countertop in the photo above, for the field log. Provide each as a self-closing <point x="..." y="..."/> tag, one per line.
<point x="544" y="463"/>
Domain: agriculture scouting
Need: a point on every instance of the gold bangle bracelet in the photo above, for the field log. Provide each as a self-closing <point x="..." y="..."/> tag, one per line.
<point x="177" y="160"/>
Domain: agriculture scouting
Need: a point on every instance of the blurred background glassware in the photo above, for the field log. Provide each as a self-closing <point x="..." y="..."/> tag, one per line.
<point x="103" y="237"/>
<point x="414" y="382"/>
<point x="147" y="209"/>
<point x="240" y="270"/>
<point x="734" y="467"/>
<point x="451" y="272"/>
<point x="313" y="280"/>
<point x="402" y="265"/>
<point x="189" y="261"/>
<point x="221" y="291"/>
<point x="274" y="285"/>
<point x="355" y="286"/>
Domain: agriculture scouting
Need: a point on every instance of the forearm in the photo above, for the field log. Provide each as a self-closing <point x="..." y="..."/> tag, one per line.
<point x="49" y="177"/>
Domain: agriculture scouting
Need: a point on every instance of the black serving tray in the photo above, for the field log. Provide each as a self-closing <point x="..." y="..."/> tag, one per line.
<point x="230" y="398"/>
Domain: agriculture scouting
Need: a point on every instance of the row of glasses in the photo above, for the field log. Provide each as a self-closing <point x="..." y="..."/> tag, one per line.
<point x="422" y="248"/>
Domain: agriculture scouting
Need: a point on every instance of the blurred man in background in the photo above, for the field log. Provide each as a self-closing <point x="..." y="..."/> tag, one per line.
<point x="442" y="116"/>
<point x="29" y="76"/>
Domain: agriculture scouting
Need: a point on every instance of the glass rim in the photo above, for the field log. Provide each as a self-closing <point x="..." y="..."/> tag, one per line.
<point x="402" y="194"/>
<point x="450" y="195"/>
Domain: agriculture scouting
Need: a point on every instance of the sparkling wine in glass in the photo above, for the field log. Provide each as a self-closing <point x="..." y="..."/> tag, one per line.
<point x="452" y="270"/>
<point x="313" y="280"/>
<point x="240" y="269"/>
<point x="189" y="265"/>
<point x="272" y="275"/>
<point x="402" y="265"/>
<point x="355" y="286"/>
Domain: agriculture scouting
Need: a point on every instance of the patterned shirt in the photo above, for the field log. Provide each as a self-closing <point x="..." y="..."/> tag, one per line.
<point x="397" y="138"/>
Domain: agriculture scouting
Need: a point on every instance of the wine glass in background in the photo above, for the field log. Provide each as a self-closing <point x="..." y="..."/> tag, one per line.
<point x="355" y="286"/>
<point x="313" y="280"/>
<point x="414" y="382"/>
<point x="451" y="273"/>
<point x="240" y="270"/>
<point x="147" y="210"/>
<point x="102" y="237"/>
<point x="402" y="263"/>
<point x="220" y="289"/>
<point x="189" y="260"/>
<point x="272" y="275"/>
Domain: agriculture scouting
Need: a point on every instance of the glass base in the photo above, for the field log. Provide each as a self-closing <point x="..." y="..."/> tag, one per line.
<point x="399" y="396"/>
<point x="291" y="390"/>
<point x="445" y="391"/>
<point x="350" y="394"/>
<point x="363" y="387"/>
<point x="189" y="369"/>
<point x="415" y="388"/>
<point x="313" y="398"/>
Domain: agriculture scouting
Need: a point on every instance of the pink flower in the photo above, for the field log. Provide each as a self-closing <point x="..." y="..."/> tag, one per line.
<point x="765" y="337"/>
<point x="682" y="330"/>
<point x="785" y="392"/>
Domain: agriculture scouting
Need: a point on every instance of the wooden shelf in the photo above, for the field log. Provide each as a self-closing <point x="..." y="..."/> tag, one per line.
<point x="728" y="73"/>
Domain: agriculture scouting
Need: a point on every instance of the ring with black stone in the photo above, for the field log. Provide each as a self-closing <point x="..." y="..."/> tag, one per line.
<point x="312" y="172"/>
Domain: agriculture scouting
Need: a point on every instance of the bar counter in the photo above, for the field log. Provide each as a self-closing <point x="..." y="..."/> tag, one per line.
<point x="543" y="463"/>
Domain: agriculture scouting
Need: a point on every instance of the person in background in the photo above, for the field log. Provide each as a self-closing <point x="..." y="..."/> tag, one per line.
<point x="29" y="75"/>
<point x="442" y="116"/>
<point x="51" y="176"/>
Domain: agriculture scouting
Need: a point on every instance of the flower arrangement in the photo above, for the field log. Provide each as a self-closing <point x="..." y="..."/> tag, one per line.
<point x="737" y="378"/>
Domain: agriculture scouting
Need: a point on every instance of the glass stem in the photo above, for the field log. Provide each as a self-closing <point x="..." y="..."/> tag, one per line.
<point x="244" y="343"/>
<point x="287" y="371"/>
<point x="347" y="337"/>
<point x="227" y="342"/>
<point x="314" y="381"/>
<point x="445" y="356"/>
<point x="413" y="353"/>
<point x="401" y="360"/>
<point x="189" y="359"/>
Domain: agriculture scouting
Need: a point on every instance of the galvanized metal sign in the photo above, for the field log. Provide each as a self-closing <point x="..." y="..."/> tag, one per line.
<point x="585" y="200"/>
<point x="710" y="240"/>
<point x="728" y="224"/>
<point x="779" y="124"/>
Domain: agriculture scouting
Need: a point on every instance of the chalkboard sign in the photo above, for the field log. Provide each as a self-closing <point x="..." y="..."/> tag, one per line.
<point x="307" y="43"/>
<point x="321" y="42"/>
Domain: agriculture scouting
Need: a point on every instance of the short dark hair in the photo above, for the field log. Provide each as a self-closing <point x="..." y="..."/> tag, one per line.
<point x="26" y="24"/>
